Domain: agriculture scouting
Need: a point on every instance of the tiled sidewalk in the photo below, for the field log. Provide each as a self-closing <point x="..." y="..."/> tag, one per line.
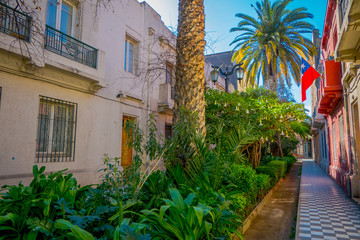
<point x="324" y="210"/>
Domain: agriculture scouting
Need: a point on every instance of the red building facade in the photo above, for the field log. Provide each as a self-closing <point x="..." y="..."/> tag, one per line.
<point x="331" y="102"/>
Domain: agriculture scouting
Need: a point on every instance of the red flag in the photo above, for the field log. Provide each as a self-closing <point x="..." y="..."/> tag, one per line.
<point x="309" y="74"/>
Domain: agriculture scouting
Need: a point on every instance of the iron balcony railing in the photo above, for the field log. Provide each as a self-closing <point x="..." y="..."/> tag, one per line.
<point x="14" y="22"/>
<point x="69" y="47"/>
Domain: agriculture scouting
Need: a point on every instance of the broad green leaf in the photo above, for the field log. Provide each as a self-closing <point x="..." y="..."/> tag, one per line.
<point x="199" y="214"/>
<point x="47" y="203"/>
<point x="190" y="198"/>
<point x="177" y="198"/>
<point x="163" y="210"/>
<point x="79" y="233"/>
<point x="208" y="227"/>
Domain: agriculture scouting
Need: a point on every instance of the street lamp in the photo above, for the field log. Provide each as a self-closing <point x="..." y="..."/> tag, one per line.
<point x="238" y="71"/>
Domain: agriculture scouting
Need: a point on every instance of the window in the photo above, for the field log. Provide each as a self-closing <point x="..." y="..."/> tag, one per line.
<point x="324" y="144"/>
<point x="169" y="78"/>
<point x="342" y="138"/>
<point x="334" y="142"/>
<point x="168" y="131"/>
<point x="0" y="95"/>
<point x="131" y="55"/>
<point x="60" y="15"/>
<point x="56" y="130"/>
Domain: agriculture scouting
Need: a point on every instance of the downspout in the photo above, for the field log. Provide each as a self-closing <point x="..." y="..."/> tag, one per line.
<point x="151" y="32"/>
<point x="350" y="172"/>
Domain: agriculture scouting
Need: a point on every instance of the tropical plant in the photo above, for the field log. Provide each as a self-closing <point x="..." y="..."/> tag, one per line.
<point x="271" y="45"/>
<point x="190" y="61"/>
<point x="179" y="219"/>
<point x="29" y="212"/>
<point x="257" y="114"/>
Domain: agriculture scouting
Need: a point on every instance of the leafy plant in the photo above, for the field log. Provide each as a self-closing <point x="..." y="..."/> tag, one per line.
<point x="178" y="219"/>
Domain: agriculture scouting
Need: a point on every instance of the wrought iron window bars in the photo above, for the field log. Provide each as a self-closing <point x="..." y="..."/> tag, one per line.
<point x="56" y="130"/>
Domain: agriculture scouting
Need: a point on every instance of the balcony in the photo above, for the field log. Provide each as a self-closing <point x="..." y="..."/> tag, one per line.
<point x="318" y="120"/>
<point x="331" y="88"/>
<point x="69" y="47"/>
<point x="14" y="22"/>
<point x="347" y="48"/>
<point x="166" y="96"/>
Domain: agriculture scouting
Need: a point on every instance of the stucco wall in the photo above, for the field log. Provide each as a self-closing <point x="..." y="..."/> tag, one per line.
<point x="96" y="91"/>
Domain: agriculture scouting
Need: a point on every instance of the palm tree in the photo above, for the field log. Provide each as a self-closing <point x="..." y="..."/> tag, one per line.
<point x="272" y="45"/>
<point x="190" y="60"/>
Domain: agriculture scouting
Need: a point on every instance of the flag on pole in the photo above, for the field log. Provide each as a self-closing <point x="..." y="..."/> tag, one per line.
<point x="309" y="74"/>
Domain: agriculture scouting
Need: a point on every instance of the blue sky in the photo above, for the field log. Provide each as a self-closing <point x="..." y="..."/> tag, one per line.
<point x="220" y="18"/>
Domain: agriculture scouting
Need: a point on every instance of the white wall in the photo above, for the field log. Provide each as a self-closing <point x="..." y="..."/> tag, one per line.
<point x="100" y="111"/>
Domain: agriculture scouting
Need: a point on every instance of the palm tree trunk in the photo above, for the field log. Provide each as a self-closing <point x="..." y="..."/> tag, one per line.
<point x="190" y="60"/>
<point x="273" y="84"/>
<point x="272" y="81"/>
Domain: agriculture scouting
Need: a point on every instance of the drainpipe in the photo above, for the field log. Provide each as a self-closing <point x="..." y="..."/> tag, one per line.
<point x="151" y="32"/>
<point x="350" y="172"/>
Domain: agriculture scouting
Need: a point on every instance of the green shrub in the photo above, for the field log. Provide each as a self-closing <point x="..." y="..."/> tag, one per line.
<point x="243" y="177"/>
<point x="262" y="182"/>
<point x="282" y="165"/>
<point x="290" y="160"/>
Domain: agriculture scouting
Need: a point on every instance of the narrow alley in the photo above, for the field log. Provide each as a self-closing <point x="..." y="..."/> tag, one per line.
<point x="324" y="210"/>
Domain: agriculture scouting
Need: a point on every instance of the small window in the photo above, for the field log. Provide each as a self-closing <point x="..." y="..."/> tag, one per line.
<point x="168" y="131"/>
<point x="334" y="142"/>
<point x="60" y="15"/>
<point x="56" y="130"/>
<point x="169" y="78"/>
<point x="342" y="138"/>
<point x="131" y="55"/>
<point x="324" y="145"/>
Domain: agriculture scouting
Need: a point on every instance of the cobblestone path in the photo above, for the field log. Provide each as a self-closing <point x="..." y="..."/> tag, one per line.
<point x="324" y="210"/>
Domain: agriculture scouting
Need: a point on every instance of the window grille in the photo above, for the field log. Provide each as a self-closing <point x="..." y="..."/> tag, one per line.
<point x="56" y="131"/>
<point x="14" y="22"/>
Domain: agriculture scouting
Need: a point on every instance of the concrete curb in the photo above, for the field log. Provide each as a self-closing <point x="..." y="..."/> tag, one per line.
<point x="247" y="222"/>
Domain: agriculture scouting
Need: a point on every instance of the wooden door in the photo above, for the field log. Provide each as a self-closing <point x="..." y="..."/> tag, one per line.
<point x="126" y="150"/>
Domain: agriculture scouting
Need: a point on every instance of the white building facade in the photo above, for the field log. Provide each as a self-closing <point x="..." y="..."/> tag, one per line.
<point x="71" y="73"/>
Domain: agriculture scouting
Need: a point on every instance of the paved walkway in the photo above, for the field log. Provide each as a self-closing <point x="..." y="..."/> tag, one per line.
<point x="275" y="220"/>
<point x="324" y="210"/>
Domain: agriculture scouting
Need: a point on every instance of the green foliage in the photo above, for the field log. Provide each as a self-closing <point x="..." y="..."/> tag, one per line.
<point x="155" y="188"/>
<point x="273" y="171"/>
<point x="282" y="165"/>
<point x="179" y="219"/>
<point x="271" y="45"/>
<point x="142" y="202"/>
<point x="257" y="115"/>
<point x="276" y="169"/>
<point x="75" y="231"/>
<point x="28" y="212"/>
